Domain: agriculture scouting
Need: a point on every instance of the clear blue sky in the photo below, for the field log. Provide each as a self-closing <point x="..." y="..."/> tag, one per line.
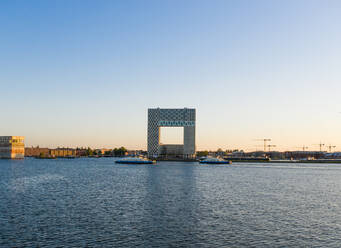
<point x="79" y="73"/>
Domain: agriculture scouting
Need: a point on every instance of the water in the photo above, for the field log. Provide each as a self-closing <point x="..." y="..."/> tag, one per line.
<point x="96" y="203"/>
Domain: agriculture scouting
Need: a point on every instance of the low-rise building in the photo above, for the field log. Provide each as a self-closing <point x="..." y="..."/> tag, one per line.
<point x="102" y="152"/>
<point x="12" y="147"/>
<point x="81" y="152"/>
<point x="36" y="152"/>
<point x="63" y="152"/>
<point x="304" y="155"/>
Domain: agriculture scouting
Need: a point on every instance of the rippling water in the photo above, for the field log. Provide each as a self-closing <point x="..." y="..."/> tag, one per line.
<point x="96" y="203"/>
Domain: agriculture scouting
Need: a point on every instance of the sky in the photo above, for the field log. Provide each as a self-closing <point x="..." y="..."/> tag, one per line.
<point x="84" y="73"/>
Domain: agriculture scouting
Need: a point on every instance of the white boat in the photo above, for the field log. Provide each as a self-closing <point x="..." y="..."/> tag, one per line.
<point x="134" y="160"/>
<point x="211" y="160"/>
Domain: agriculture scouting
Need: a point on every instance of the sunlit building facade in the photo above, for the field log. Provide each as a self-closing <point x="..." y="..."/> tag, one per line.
<point x="63" y="152"/>
<point x="12" y="147"/>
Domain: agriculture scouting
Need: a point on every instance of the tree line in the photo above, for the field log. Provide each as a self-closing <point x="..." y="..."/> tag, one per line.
<point x="117" y="152"/>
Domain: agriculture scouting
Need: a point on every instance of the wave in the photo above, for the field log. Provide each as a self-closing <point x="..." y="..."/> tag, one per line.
<point x="23" y="183"/>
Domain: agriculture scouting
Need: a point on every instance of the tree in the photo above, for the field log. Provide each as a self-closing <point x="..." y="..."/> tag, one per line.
<point x="107" y="153"/>
<point x="119" y="152"/>
<point x="89" y="152"/>
<point x="220" y="152"/>
<point x="202" y="153"/>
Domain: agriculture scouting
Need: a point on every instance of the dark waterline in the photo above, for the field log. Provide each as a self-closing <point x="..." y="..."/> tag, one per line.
<point x="97" y="203"/>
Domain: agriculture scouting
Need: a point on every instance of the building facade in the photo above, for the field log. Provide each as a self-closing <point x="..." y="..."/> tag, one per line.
<point x="36" y="151"/>
<point x="62" y="152"/>
<point x="12" y="147"/>
<point x="158" y="118"/>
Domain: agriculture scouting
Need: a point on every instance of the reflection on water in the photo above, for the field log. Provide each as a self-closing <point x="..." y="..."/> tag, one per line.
<point x="96" y="203"/>
<point x="22" y="183"/>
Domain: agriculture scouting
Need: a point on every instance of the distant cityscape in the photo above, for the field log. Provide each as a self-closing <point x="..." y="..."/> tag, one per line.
<point x="12" y="147"/>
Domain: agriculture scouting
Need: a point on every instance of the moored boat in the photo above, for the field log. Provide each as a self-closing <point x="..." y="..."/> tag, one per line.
<point x="134" y="160"/>
<point x="211" y="160"/>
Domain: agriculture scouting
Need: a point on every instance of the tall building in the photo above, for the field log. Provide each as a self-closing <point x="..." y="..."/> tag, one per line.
<point x="12" y="147"/>
<point x="158" y="118"/>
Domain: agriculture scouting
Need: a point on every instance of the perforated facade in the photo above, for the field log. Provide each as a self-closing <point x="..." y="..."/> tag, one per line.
<point x="171" y="118"/>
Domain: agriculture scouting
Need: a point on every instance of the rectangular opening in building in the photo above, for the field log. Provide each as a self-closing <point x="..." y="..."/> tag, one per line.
<point x="172" y="135"/>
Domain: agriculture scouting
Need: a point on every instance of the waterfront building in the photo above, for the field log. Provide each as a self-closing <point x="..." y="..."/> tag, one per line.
<point x="63" y="152"/>
<point x="103" y="151"/>
<point x="334" y="155"/>
<point x="12" y="147"/>
<point x="304" y="155"/>
<point x="81" y="152"/>
<point x="136" y="153"/>
<point x="158" y="118"/>
<point x="36" y="151"/>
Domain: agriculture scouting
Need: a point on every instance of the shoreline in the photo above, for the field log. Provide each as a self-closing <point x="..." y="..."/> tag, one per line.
<point x="265" y="161"/>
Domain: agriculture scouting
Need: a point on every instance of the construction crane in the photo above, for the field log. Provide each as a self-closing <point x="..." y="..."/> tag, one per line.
<point x="269" y="146"/>
<point x="265" y="142"/>
<point x="330" y="148"/>
<point x="320" y="145"/>
<point x="303" y="148"/>
<point x="257" y="148"/>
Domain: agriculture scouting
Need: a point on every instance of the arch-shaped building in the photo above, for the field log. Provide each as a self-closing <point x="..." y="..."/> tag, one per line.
<point x="157" y="118"/>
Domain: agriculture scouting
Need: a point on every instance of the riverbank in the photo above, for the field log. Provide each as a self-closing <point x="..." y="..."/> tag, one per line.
<point x="233" y="160"/>
<point x="316" y="161"/>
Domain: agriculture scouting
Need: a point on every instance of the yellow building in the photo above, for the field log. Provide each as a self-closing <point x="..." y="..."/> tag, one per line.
<point x="12" y="147"/>
<point x="63" y="152"/>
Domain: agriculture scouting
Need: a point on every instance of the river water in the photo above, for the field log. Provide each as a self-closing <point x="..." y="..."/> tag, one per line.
<point x="97" y="203"/>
